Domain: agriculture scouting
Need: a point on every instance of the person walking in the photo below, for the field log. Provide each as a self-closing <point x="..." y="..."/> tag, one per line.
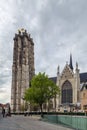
<point x="9" y="111"/>
<point x="3" y="112"/>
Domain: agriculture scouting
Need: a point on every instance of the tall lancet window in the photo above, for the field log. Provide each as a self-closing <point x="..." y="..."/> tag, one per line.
<point x="67" y="96"/>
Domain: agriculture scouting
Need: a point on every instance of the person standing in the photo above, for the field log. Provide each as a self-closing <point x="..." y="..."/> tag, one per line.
<point x="9" y="111"/>
<point x="3" y="112"/>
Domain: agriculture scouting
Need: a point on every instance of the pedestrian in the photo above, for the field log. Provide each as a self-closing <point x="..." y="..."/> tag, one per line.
<point x="3" y="112"/>
<point x="9" y="111"/>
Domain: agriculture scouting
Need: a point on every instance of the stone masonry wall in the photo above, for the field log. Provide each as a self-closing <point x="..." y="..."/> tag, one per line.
<point x="22" y="68"/>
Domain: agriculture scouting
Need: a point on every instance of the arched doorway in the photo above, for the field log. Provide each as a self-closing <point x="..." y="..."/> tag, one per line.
<point x="67" y="93"/>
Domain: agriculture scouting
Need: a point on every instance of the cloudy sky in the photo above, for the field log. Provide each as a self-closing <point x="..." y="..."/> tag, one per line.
<point x="58" y="28"/>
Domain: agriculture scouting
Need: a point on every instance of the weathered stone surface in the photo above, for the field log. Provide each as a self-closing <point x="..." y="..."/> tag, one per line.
<point x="22" y="68"/>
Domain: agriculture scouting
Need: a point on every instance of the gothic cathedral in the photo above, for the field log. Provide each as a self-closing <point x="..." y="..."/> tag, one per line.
<point x="70" y="81"/>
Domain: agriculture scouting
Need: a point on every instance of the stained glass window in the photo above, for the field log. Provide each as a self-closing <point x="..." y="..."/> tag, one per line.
<point x="67" y="92"/>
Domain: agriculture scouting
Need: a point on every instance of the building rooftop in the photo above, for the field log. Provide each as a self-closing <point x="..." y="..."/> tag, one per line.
<point x="54" y="79"/>
<point x="83" y="78"/>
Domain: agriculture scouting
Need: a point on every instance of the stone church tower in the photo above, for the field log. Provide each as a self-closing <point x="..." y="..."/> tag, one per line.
<point x="22" y="68"/>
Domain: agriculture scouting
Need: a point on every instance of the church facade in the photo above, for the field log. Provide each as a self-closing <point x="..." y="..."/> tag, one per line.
<point x="70" y="82"/>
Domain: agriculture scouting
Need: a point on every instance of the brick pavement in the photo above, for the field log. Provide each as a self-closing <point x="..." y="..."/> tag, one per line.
<point x="27" y="123"/>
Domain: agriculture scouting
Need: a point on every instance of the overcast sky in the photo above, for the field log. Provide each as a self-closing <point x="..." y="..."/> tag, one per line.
<point x="58" y="28"/>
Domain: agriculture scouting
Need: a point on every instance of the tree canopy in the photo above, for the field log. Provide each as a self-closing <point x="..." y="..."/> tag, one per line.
<point x="41" y="90"/>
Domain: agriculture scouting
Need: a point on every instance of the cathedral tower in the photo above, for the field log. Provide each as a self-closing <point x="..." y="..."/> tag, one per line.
<point x="22" y="68"/>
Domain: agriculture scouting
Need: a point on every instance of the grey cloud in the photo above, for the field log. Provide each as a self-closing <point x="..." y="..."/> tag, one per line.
<point x="2" y="91"/>
<point x="58" y="27"/>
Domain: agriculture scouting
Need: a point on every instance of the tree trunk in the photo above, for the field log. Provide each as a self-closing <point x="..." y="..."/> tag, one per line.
<point x="41" y="110"/>
<point x="48" y="106"/>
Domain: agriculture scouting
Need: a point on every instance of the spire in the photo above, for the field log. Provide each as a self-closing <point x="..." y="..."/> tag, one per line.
<point x="71" y="66"/>
<point x="58" y="70"/>
<point x="76" y="65"/>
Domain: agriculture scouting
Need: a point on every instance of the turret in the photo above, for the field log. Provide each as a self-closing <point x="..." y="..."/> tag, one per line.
<point x="77" y="70"/>
<point x="58" y="74"/>
<point x="77" y="82"/>
<point x="58" y="70"/>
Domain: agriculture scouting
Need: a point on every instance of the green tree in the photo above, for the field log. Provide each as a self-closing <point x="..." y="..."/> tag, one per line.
<point x="42" y="90"/>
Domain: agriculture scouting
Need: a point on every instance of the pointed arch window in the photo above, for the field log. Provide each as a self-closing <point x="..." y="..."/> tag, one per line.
<point x="67" y="91"/>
